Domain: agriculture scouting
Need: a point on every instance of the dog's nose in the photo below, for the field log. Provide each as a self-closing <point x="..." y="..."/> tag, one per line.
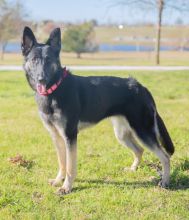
<point x="41" y="79"/>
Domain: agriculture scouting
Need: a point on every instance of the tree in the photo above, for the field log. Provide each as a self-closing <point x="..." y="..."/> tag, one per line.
<point x="159" y="6"/>
<point x="79" y="39"/>
<point x="48" y="26"/>
<point x="11" y="19"/>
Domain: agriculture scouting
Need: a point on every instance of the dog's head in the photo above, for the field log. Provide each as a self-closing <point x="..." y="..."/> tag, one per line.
<point x="42" y="61"/>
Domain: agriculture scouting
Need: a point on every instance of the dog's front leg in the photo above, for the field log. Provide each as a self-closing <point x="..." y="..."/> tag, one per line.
<point x="59" y="143"/>
<point x="61" y="154"/>
<point x="71" y="167"/>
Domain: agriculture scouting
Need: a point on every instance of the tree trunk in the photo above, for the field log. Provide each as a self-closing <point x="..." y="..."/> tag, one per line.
<point x="160" y="4"/>
<point x="2" y="50"/>
<point x="78" y="55"/>
<point x="2" y="55"/>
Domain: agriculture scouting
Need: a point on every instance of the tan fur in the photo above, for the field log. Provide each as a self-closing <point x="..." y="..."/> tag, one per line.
<point x="71" y="168"/>
<point x="60" y="149"/>
<point x="165" y="160"/>
<point x="127" y="137"/>
<point x="67" y="157"/>
<point x="71" y="162"/>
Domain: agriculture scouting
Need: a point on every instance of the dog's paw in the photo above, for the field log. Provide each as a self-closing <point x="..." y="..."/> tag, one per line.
<point x="55" y="182"/>
<point x="63" y="191"/>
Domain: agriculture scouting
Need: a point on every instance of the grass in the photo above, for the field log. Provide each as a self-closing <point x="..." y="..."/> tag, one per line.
<point x="169" y="58"/>
<point x="131" y="35"/>
<point x="102" y="189"/>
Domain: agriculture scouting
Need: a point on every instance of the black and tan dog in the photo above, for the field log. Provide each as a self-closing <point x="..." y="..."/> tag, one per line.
<point x="68" y="103"/>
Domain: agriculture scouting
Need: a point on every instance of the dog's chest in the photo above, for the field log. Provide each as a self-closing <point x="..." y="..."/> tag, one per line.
<point x="44" y="104"/>
<point x="49" y="108"/>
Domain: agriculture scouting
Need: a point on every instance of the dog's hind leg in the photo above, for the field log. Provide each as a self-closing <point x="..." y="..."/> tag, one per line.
<point x="149" y="139"/>
<point x="125" y="136"/>
<point x="165" y="161"/>
<point x="137" y="150"/>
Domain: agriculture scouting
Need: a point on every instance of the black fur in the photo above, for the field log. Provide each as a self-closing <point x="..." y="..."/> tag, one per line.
<point x="89" y="99"/>
<point x="165" y="138"/>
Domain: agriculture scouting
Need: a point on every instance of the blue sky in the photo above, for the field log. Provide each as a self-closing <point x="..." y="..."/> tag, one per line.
<point x="73" y="10"/>
<point x="80" y="10"/>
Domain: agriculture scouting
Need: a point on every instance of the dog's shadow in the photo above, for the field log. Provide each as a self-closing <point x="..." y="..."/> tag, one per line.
<point x="179" y="180"/>
<point x="95" y="183"/>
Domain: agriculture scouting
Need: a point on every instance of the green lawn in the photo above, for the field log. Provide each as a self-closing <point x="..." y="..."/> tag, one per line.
<point x="102" y="189"/>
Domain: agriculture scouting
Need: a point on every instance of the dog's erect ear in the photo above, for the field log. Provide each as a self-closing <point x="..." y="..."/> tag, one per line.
<point x="55" y="40"/>
<point x="28" y="41"/>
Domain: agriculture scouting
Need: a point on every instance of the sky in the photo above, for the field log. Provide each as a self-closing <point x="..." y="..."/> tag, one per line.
<point x="82" y="10"/>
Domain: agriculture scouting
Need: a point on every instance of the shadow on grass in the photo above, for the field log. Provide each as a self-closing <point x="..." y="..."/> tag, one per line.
<point x="179" y="180"/>
<point x="94" y="183"/>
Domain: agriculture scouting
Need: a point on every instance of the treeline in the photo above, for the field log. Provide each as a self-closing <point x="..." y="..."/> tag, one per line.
<point x="11" y="22"/>
<point x="78" y="38"/>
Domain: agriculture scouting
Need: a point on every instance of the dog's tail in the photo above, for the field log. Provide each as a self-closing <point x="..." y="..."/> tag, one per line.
<point x="165" y="138"/>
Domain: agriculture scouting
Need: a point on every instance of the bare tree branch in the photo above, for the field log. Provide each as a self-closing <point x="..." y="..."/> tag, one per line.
<point x="159" y="6"/>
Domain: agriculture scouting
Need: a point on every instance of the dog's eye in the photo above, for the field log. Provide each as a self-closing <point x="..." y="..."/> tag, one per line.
<point x="34" y="59"/>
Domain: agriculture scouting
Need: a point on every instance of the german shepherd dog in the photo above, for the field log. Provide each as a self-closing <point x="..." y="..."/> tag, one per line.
<point x="67" y="103"/>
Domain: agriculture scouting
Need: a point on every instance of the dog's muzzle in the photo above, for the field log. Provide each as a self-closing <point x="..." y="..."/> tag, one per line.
<point x="41" y="89"/>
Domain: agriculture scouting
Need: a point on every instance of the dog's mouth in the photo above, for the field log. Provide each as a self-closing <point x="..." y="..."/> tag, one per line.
<point x="41" y="88"/>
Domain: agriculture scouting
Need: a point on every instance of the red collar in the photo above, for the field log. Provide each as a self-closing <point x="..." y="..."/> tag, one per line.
<point x="42" y="91"/>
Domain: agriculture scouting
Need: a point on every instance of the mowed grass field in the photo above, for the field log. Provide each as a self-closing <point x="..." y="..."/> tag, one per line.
<point x="105" y="34"/>
<point x="102" y="190"/>
<point x="167" y="58"/>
